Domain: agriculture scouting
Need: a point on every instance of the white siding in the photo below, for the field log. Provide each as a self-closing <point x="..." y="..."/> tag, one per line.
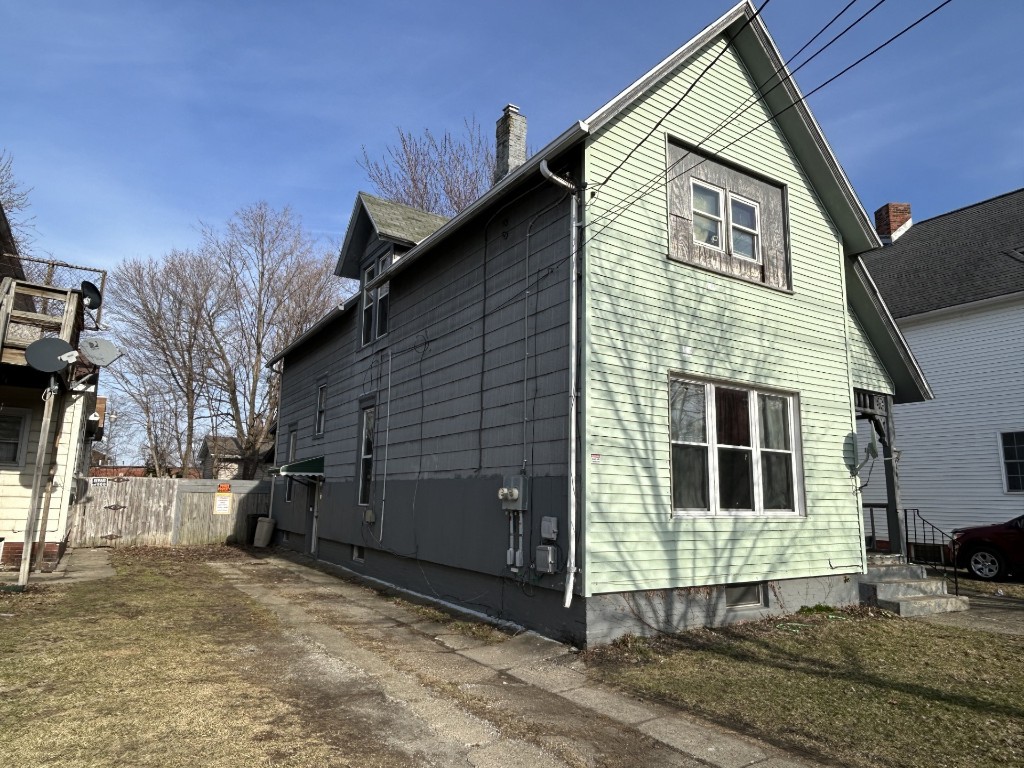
<point x="949" y="452"/>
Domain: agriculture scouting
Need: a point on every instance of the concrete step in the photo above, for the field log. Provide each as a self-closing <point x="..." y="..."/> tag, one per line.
<point x="897" y="572"/>
<point x="925" y="605"/>
<point x="874" y="591"/>
<point x="880" y="558"/>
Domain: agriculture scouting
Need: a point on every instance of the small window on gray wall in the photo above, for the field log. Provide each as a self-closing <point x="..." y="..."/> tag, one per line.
<point x="724" y="219"/>
<point x="321" y="408"/>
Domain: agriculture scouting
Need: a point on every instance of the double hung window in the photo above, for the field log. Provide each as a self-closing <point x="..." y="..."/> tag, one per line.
<point x="13" y="423"/>
<point x="376" y="302"/>
<point x="727" y="219"/>
<point x="366" y="454"/>
<point x="734" y="450"/>
<point x="1012" y="445"/>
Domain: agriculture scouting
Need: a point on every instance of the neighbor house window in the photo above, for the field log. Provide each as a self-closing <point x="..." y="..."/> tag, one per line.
<point x="1012" y="444"/>
<point x="726" y="219"/>
<point x="321" y="408"/>
<point x="366" y="455"/>
<point x="13" y="433"/>
<point x="733" y="449"/>
<point x="376" y="302"/>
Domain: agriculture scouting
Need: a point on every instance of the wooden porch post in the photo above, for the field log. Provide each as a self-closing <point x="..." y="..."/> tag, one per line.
<point x="897" y="535"/>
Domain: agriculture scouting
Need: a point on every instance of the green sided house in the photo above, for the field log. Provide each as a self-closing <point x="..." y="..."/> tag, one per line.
<point x="619" y="392"/>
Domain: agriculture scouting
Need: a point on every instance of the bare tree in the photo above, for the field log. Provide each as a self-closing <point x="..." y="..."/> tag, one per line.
<point x="439" y="174"/>
<point x="14" y="198"/>
<point x="198" y="327"/>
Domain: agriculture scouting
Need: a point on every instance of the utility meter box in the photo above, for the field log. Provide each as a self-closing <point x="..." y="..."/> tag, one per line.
<point x="514" y="493"/>
<point x="547" y="559"/>
<point x="549" y="528"/>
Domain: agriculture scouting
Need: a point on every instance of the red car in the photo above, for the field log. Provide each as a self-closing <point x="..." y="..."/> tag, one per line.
<point x="991" y="552"/>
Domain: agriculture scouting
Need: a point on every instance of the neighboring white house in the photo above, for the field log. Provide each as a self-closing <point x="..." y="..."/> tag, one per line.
<point x="955" y="285"/>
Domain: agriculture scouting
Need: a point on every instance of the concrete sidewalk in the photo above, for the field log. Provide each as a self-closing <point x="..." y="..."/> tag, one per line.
<point x="77" y="565"/>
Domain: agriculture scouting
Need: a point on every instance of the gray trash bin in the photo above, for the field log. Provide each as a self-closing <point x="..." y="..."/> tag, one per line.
<point x="264" y="530"/>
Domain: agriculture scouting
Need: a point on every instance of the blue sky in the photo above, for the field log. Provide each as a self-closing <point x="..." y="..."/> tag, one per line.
<point x="134" y="120"/>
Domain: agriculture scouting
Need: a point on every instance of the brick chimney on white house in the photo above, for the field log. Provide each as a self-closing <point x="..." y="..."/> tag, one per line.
<point x="891" y="221"/>
<point x="510" y="133"/>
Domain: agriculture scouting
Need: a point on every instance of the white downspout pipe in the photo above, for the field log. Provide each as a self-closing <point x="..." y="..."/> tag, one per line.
<point x="570" y="565"/>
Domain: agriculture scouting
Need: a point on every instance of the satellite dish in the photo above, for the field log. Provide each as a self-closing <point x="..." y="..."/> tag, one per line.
<point x="46" y="354"/>
<point x="99" y="351"/>
<point x="91" y="296"/>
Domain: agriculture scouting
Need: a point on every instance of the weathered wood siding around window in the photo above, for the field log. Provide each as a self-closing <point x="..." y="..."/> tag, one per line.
<point x="648" y="316"/>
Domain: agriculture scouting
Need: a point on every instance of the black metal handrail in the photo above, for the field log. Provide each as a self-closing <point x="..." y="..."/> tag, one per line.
<point x="927" y="544"/>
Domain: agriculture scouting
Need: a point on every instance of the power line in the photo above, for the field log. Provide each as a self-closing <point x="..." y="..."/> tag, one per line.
<point x="686" y="93"/>
<point x="747" y="103"/>
<point x="717" y="153"/>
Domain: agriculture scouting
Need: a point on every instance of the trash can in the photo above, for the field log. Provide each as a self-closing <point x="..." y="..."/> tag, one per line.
<point x="251" y="521"/>
<point x="264" y="530"/>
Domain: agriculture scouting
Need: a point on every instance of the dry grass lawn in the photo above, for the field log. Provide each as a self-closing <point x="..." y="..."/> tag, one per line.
<point x="857" y="688"/>
<point x="165" y="665"/>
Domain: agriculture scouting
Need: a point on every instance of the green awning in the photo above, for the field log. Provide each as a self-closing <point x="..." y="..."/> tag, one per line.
<point x="304" y="468"/>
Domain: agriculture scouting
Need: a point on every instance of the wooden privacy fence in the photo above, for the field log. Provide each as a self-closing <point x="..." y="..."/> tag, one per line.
<point x="166" y="512"/>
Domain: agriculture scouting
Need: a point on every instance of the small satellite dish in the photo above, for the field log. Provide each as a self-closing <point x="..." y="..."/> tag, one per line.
<point x="99" y="351"/>
<point x="45" y="354"/>
<point x="91" y="295"/>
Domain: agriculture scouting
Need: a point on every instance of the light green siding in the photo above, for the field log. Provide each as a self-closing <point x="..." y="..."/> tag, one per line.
<point x="647" y="316"/>
<point x="865" y="367"/>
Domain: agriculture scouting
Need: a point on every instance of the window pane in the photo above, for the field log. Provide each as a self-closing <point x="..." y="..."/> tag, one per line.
<point x="689" y="477"/>
<point x="383" y="310"/>
<point x="735" y="479"/>
<point x="706" y="230"/>
<point x="774" y="422"/>
<point x="10" y="428"/>
<point x="744" y="215"/>
<point x="367" y="322"/>
<point x="733" y="417"/>
<point x="368" y="432"/>
<point x="706" y="200"/>
<point x="1013" y="446"/>
<point x="777" y="479"/>
<point x="365" y="476"/>
<point x="744" y="244"/>
<point x="688" y="407"/>
<point x="8" y="453"/>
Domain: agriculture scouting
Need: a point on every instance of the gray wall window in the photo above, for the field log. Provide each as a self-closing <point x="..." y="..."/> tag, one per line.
<point x="366" y="454"/>
<point x="289" y="483"/>
<point x="321" y="408"/>
<point x="724" y="219"/>
<point x="13" y="436"/>
<point x="376" y="302"/>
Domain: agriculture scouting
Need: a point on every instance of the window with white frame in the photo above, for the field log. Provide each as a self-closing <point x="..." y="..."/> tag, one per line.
<point x="1012" y="445"/>
<point x="321" y="409"/>
<point x="366" y="454"/>
<point x="13" y="436"/>
<point x="376" y="302"/>
<point x="727" y="218"/>
<point x="734" y="450"/>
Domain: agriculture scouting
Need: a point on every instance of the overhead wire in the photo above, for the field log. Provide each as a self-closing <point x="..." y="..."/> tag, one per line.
<point x="717" y="152"/>
<point x="750" y="100"/>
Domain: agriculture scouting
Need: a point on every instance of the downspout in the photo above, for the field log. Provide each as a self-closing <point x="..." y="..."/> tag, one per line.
<point x="570" y="565"/>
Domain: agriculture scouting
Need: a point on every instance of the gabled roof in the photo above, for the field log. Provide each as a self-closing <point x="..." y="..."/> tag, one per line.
<point x="388" y="220"/>
<point x="966" y="255"/>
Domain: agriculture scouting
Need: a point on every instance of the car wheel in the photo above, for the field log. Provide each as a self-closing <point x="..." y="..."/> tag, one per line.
<point x="986" y="564"/>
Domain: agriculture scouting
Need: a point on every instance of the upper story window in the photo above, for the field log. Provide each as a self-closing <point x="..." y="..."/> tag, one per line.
<point x="13" y="433"/>
<point x="726" y="219"/>
<point x="376" y="302"/>
<point x="1012" y="444"/>
<point x="734" y="450"/>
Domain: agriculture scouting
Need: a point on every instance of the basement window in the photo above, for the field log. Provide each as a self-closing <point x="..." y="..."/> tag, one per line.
<point x="358" y="553"/>
<point x="746" y="595"/>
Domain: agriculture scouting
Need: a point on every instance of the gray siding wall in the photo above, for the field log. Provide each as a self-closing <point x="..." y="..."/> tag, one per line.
<point x="469" y="323"/>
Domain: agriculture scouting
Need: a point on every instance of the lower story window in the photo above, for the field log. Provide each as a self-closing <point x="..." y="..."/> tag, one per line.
<point x="1012" y="444"/>
<point x="733" y="449"/>
<point x="366" y="455"/>
<point x="13" y="423"/>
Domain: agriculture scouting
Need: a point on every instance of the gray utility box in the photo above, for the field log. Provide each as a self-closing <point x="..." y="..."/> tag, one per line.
<point x="514" y="493"/>
<point x="549" y="528"/>
<point x="547" y="559"/>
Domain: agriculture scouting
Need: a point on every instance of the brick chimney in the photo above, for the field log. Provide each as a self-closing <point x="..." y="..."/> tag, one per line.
<point x="510" y="133"/>
<point x="891" y="221"/>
